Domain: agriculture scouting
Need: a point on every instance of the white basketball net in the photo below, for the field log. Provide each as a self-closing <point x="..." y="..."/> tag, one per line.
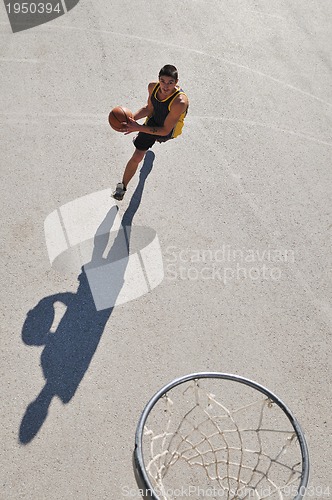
<point x="194" y="446"/>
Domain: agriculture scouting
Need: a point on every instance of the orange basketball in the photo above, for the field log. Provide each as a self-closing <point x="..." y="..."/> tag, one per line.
<point x="117" y="116"/>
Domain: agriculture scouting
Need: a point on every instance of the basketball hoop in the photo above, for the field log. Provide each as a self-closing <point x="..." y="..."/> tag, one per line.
<point x="220" y="436"/>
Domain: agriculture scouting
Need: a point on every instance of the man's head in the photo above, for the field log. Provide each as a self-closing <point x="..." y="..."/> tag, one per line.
<point x="168" y="78"/>
<point x="170" y="71"/>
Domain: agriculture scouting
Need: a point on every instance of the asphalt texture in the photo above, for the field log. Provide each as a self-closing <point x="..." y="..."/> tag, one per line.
<point x="240" y="203"/>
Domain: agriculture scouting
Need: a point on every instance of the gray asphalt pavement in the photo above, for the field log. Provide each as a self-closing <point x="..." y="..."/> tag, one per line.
<point x="238" y="209"/>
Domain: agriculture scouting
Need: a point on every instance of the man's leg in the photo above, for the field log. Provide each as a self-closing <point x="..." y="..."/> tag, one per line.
<point x="142" y="143"/>
<point x="129" y="172"/>
<point x="132" y="165"/>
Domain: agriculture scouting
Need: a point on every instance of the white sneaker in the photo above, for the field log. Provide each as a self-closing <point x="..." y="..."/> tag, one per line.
<point x="119" y="191"/>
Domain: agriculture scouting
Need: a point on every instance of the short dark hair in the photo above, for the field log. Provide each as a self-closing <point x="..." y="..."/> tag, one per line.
<point x="169" y="70"/>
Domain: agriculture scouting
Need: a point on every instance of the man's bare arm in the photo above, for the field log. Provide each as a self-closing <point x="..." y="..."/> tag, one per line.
<point x="147" y="110"/>
<point x="178" y="107"/>
<point x="141" y="113"/>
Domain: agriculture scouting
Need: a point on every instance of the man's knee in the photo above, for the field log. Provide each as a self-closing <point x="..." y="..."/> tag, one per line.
<point x="138" y="155"/>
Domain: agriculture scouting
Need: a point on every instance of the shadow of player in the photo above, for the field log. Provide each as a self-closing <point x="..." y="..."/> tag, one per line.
<point x="69" y="350"/>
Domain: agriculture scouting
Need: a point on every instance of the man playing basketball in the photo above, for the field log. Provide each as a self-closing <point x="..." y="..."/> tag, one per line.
<point x="165" y="110"/>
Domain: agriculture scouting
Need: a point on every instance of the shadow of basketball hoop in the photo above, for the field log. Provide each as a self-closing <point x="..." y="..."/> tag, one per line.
<point x="26" y="15"/>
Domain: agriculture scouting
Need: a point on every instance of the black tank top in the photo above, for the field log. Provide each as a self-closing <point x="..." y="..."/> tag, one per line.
<point x="161" y="108"/>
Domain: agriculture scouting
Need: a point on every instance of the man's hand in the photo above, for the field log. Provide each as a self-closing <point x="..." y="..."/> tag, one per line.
<point x="131" y="126"/>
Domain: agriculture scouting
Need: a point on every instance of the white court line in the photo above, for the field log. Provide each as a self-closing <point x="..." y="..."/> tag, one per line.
<point x="261" y="13"/>
<point x="195" y="51"/>
<point x="52" y="114"/>
<point x="264" y="125"/>
<point x="321" y="304"/>
<point x="76" y="119"/>
<point x="101" y="119"/>
<point x="63" y="6"/>
<point x="9" y="59"/>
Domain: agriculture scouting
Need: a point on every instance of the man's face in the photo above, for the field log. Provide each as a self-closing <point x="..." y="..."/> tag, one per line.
<point x="167" y="84"/>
